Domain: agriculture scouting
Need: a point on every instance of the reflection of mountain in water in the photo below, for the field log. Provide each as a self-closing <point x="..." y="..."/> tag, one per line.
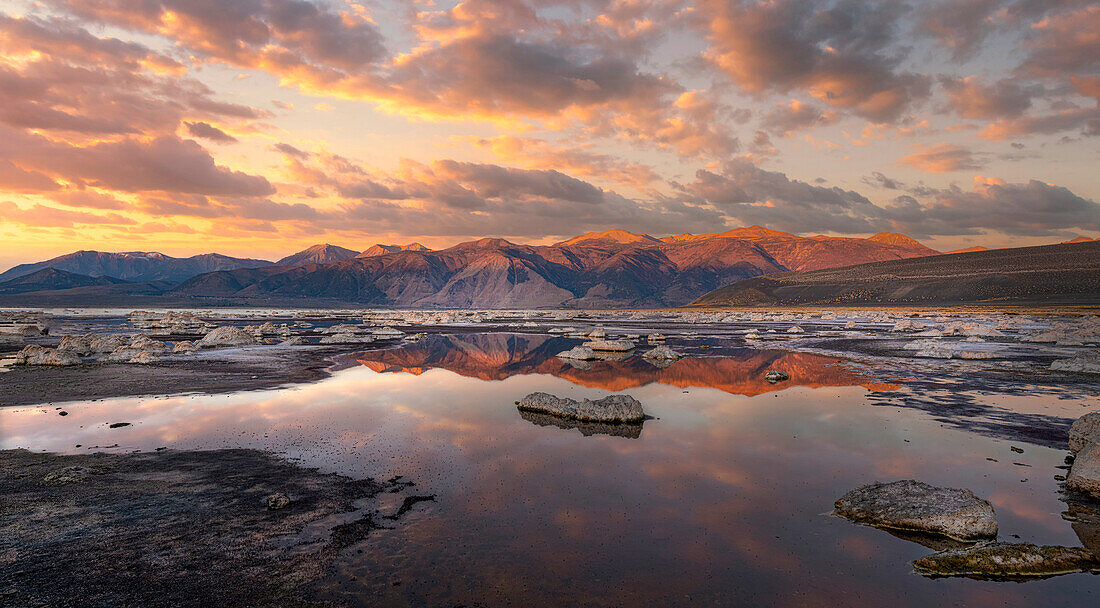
<point x="498" y="356"/>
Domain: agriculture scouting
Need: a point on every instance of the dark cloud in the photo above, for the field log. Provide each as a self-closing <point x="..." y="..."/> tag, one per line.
<point x="207" y="131"/>
<point x="840" y="52"/>
<point x="960" y="25"/>
<point x="785" y="119"/>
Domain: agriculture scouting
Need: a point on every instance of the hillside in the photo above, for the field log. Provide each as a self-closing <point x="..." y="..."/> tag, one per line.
<point x="1064" y="273"/>
<point x="52" y="279"/>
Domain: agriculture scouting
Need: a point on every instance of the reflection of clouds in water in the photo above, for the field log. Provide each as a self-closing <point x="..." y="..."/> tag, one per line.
<point x="721" y="497"/>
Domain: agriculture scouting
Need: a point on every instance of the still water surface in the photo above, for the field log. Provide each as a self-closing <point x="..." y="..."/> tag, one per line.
<point x="723" y="498"/>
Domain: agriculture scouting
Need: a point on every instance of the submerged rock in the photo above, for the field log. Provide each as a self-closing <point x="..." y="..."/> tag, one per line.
<point x="773" y="376"/>
<point x="578" y="353"/>
<point x="71" y="474"/>
<point x="617" y="346"/>
<point x="1085" y="474"/>
<point x="227" y="335"/>
<point x="1085" y="430"/>
<point x="656" y="338"/>
<point x="295" y="341"/>
<point x="1007" y="560"/>
<point x="914" y="505"/>
<point x="613" y="408"/>
<point x="1088" y="363"/>
<point x="662" y="352"/>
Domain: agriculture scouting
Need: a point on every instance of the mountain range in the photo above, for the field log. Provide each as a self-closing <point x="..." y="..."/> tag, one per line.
<point x="135" y="265"/>
<point x="606" y="269"/>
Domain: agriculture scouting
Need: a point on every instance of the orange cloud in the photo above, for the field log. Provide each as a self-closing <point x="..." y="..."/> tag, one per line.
<point x="941" y="158"/>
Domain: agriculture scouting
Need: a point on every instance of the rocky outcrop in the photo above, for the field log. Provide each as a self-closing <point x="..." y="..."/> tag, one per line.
<point x="92" y="344"/>
<point x="1085" y="474"/>
<point x="347" y="338"/>
<point x="227" y="335"/>
<point x="613" y="408"/>
<point x="1085" y="363"/>
<point x="997" y="560"/>
<point x="917" y="506"/>
<point x="614" y="346"/>
<point x="38" y="355"/>
<point x="1083" y="431"/>
<point x="578" y="353"/>
<point x="662" y="352"/>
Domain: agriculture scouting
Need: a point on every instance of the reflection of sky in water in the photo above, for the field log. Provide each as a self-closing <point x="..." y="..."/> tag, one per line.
<point x="723" y="498"/>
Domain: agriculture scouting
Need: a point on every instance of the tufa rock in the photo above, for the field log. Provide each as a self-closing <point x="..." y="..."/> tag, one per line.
<point x="227" y="335"/>
<point x="917" y="506"/>
<point x="995" y="560"/>
<point x="613" y="408"/>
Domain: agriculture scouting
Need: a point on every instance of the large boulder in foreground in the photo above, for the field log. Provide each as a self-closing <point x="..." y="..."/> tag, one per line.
<point x="1085" y="430"/>
<point x="613" y="408"/>
<point x="1085" y="474"/>
<point x="227" y="335"/>
<point x="917" y="506"/>
<point x="1007" y="560"/>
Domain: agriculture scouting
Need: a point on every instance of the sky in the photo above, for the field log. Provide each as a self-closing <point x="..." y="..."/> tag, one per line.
<point x="260" y="127"/>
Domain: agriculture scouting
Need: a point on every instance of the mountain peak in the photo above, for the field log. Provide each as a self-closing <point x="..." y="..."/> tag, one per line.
<point x="322" y="253"/>
<point x="755" y="231"/>
<point x="380" y="249"/>
<point x="615" y="235"/>
<point x="896" y="239"/>
<point x="1080" y="239"/>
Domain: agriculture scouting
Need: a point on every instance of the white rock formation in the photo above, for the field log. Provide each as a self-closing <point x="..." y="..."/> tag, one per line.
<point x="618" y="346"/>
<point x="1087" y="362"/>
<point x="917" y="506"/>
<point x="227" y="335"/>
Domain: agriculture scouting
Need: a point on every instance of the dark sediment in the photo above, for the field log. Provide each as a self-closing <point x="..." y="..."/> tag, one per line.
<point x="171" y="528"/>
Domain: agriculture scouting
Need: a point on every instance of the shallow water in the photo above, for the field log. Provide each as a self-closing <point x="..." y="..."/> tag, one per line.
<point x="723" y="498"/>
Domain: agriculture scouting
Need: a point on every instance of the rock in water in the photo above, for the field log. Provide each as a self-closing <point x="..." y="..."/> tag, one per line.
<point x="227" y="335"/>
<point x="1007" y="560"/>
<point x="1085" y="474"/>
<point x="1085" y="430"/>
<point x="613" y="408"/>
<point x="578" y="353"/>
<point x="617" y="346"/>
<point x="914" y="505"/>
<point x="662" y="352"/>
<point x="277" y="501"/>
<point x="773" y="376"/>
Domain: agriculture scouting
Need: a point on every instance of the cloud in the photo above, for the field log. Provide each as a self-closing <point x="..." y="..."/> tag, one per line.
<point x="1033" y="208"/>
<point x="785" y="119"/>
<point x="247" y="33"/>
<point x="45" y="216"/>
<point x="1086" y="120"/>
<point x="16" y="179"/>
<point x="941" y="158"/>
<point x="970" y="98"/>
<point x="750" y="195"/>
<point x="538" y="154"/>
<point x="208" y="131"/>
<point x="840" y="53"/>
<point x="1064" y="43"/>
<point x="960" y="25"/>
<point x="166" y="163"/>
<point x="59" y="77"/>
